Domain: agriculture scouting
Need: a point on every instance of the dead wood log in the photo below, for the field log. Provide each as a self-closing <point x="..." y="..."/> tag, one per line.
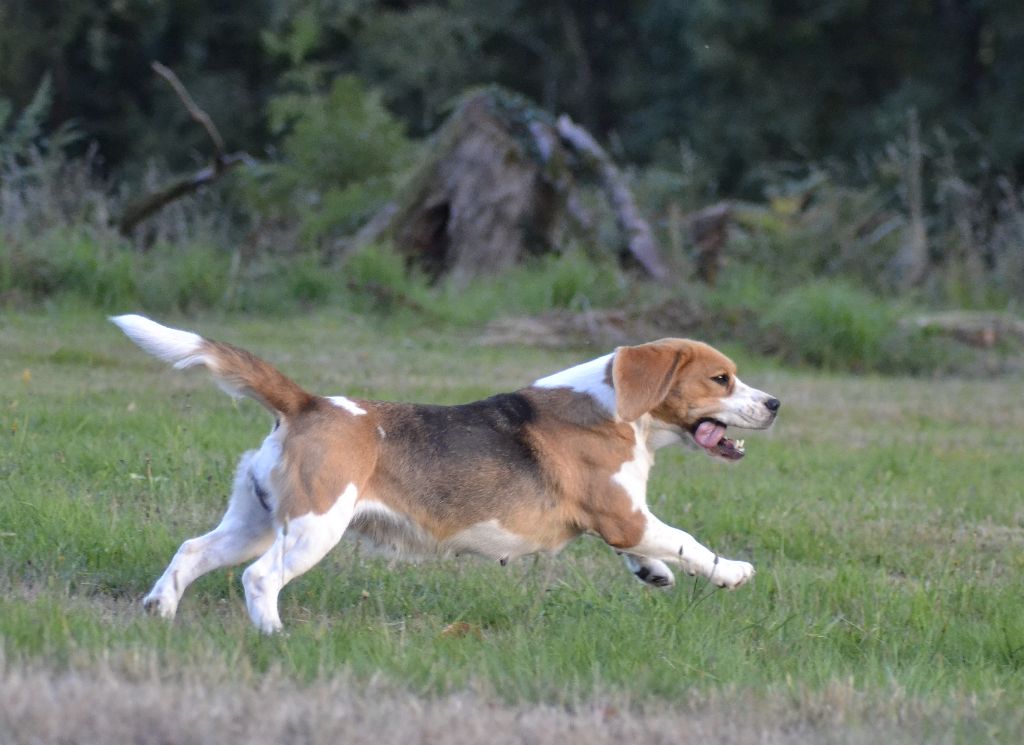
<point x="639" y="238"/>
<point x="220" y="163"/>
<point x="976" y="329"/>
<point x="150" y="204"/>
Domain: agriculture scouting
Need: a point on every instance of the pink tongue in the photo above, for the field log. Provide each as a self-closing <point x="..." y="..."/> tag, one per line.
<point x="708" y="434"/>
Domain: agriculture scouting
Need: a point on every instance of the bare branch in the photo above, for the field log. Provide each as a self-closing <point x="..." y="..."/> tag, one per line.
<point x="221" y="163"/>
<point x="198" y="115"/>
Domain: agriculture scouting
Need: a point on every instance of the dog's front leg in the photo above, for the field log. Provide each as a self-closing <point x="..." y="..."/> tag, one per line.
<point x="662" y="542"/>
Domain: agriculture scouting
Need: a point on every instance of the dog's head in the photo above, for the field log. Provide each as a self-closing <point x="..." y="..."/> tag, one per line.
<point x="691" y="389"/>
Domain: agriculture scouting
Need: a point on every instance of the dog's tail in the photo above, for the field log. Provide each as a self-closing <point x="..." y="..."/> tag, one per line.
<point x="238" y="372"/>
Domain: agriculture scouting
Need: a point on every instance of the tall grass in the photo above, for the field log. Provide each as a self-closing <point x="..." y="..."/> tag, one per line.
<point x="97" y="269"/>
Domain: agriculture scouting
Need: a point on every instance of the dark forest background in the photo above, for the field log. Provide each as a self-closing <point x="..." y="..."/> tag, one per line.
<point x="744" y="84"/>
<point x="875" y="147"/>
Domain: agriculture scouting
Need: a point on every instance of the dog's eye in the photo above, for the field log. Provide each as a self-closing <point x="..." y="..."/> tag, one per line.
<point x="722" y="380"/>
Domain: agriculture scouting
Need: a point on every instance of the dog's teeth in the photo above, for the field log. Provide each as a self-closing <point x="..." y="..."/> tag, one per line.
<point x="739" y="444"/>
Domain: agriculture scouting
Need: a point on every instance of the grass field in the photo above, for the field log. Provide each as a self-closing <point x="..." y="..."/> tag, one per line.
<point x="884" y="516"/>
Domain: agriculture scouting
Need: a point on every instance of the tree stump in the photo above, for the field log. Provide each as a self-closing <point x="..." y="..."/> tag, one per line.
<point x="500" y="186"/>
<point x="486" y="199"/>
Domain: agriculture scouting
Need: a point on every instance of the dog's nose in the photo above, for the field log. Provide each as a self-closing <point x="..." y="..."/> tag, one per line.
<point x="772" y="404"/>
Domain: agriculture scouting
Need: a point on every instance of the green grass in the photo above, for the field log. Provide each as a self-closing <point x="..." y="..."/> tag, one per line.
<point x="884" y="517"/>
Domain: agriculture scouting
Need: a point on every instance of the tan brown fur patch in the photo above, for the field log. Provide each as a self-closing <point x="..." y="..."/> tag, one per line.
<point x="325" y="449"/>
<point x="583" y="450"/>
<point x="693" y="392"/>
<point x="251" y="376"/>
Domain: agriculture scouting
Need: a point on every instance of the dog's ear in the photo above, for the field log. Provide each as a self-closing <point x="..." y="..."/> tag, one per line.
<point x="642" y="376"/>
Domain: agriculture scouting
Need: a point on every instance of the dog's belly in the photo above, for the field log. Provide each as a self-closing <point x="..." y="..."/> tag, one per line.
<point x="492" y="540"/>
<point x="397" y="534"/>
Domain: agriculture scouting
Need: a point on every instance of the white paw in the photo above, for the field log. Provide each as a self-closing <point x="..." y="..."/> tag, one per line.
<point x="731" y="574"/>
<point x="269" y="626"/>
<point x="158" y="605"/>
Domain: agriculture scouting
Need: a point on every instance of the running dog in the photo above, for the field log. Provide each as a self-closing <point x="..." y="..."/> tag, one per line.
<point x="514" y="474"/>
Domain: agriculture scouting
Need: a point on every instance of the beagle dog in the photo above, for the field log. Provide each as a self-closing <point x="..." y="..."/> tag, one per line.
<point x="514" y="474"/>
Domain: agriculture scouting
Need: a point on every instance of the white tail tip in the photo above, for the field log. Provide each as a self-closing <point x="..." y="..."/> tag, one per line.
<point x="171" y="345"/>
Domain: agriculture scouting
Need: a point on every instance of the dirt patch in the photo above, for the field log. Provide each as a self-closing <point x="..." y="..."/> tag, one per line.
<point x="600" y="328"/>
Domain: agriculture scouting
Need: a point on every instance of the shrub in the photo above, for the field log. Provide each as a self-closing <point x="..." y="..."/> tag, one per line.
<point x="376" y="278"/>
<point x="183" y="278"/>
<point x="341" y="152"/>
<point x="835" y="325"/>
<point x="831" y="324"/>
<point x="103" y="271"/>
<point x="73" y="263"/>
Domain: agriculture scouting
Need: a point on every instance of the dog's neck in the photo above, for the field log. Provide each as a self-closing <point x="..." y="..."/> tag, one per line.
<point x="592" y="378"/>
<point x="658" y="434"/>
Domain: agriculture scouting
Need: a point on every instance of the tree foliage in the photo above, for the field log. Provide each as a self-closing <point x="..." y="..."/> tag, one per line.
<point x="742" y="83"/>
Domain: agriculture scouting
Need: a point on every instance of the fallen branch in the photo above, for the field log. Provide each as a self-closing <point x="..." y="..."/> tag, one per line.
<point x="221" y="163"/>
<point x="150" y="204"/>
<point x="639" y="238"/>
<point x="599" y="328"/>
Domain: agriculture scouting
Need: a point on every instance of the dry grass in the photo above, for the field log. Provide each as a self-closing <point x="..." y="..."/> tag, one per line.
<point x="134" y="701"/>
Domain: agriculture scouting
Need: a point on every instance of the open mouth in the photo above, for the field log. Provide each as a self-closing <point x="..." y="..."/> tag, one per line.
<point x="710" y="435"/>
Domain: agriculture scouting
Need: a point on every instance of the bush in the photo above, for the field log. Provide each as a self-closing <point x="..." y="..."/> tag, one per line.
<point x="835" y="325"/>
<point x="71" y="263"/>
<point x="567" y="281"/>
<point x="341" y="153"/>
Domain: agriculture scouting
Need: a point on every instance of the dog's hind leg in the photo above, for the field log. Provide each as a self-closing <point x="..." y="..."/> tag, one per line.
<point x="648" y="571"/>
<point x="299" y="545"/>
<point x="245" y="531"/>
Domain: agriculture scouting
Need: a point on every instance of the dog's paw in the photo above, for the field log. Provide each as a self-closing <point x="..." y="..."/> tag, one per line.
<point x="269" y="626"/>
<point x="731" y="574"/>
<point x="656" y="574"/>
<point x="157" y="605"/>
<point x="661" y="580"/>
<point x="650" y="571"/>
